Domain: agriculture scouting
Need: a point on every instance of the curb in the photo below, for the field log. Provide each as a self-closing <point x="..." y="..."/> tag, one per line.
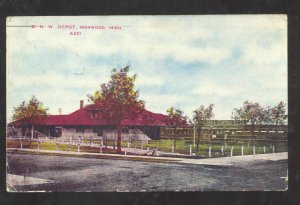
<point x="94" y="155"/>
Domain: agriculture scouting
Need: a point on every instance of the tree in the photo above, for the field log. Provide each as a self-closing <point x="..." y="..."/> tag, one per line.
<point x="117" y="100"/>
<point x="200" y="117"/>
<point x="175" y="118"/>
<point x="277" y="115"/>
<point x="31" y="113"/>
<point x="252" y="113"/>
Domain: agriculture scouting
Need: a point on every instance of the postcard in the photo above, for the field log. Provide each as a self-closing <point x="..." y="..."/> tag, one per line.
<point x="147" y="103"/>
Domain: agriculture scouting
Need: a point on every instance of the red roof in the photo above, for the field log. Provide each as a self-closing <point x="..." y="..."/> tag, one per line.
<point x="83" y="117"/>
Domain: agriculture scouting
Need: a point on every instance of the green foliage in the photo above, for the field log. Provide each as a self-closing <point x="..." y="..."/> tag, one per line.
<point x="251" y="112"/>
<point x="200" y="117"/>
<point x="32" y="112"/>
<point x="255" y="114"/>
<point x="202" y="114"/>
<point x="117" y="99"/>
<point x="277" y="114"/>
<point x="175" y="118"/>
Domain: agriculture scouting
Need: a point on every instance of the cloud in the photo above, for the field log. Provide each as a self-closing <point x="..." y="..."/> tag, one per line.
<point x="181" y="61"/>
<point x="150" y="80"/>
<point x="211" y="87"/>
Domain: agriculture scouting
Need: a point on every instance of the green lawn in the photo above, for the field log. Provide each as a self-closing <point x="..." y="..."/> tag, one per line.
<point x="52" y="146"/>
<point x="182" y="147"/>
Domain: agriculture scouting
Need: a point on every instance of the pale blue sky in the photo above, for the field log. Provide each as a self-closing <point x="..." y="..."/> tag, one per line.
<point x="181" y="61"/>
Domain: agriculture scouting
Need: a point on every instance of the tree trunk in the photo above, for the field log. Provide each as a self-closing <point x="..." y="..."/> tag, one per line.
<point x="174" y="138"/>
<point x="194" y="136"/>
<point x="119" y="130"/>
<point x="252" y="133"/>
<point x="276" y="133"/>
<point x="32" y="131"/>
<point x="198" y="138"/>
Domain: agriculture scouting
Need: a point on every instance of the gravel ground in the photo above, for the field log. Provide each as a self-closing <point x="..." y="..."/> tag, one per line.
<point x="105" y="175"/>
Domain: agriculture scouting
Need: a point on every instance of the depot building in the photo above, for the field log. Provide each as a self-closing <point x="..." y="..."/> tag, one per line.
<point x="84" y="123"/>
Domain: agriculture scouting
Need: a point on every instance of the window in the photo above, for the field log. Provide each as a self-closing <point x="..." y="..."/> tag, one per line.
<point x="58" y="131"/>
<point x="79" y="129"/>
<point x="99" y="131"/>
<point x="94" y="114"/>
<point x="125" y="130"/>
<point x="23" y="131"/>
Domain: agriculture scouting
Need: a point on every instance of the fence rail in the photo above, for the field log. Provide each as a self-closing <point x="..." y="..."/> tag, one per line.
<point x="206" y="148"/>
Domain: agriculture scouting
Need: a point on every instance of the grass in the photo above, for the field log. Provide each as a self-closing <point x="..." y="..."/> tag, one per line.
<point x="52" y="146"/>
<point x="182" y="147"/>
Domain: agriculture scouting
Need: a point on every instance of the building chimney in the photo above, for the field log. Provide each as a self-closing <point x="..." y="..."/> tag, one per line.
<point x="81" y="104"/>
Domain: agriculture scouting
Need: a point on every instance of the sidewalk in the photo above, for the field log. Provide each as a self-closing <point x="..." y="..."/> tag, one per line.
<point x="221" y="161"/>
<point x="18" y="180"/>
<point x="227" y="161"/>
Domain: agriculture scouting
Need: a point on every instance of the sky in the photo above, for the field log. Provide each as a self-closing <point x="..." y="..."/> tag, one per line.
<point x="180" y="61"/>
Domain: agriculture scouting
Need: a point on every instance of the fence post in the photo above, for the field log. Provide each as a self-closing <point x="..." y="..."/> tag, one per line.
<point x="231" y="151"/>
<point x="156" y="150"/>
<point x="174" y="142"/>
<point x="128" y="145"/>
<point x="172" y="148"/>
<point x="273" y="149"/>
<point x="209" y="151"/>
<point x="264" y="149"/>
<point x="222" y="150"/>
<point x="114" y="144"/>
<point x="78" y="147"/>
<point x="38" y="146"/>
<point x="253" y="150"/>
<point x="190" y="150"/>
<point x="100" y="148"/>
<point x="242" y="150"/>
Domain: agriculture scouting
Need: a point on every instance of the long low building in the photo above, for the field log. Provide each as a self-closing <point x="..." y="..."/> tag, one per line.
<point x="229" y="130"/>
<point x="85" y="123"/>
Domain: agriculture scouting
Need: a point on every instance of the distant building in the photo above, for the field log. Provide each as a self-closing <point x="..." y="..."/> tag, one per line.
<point x="85" y="123"/>
<point x="227" y="129"/>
